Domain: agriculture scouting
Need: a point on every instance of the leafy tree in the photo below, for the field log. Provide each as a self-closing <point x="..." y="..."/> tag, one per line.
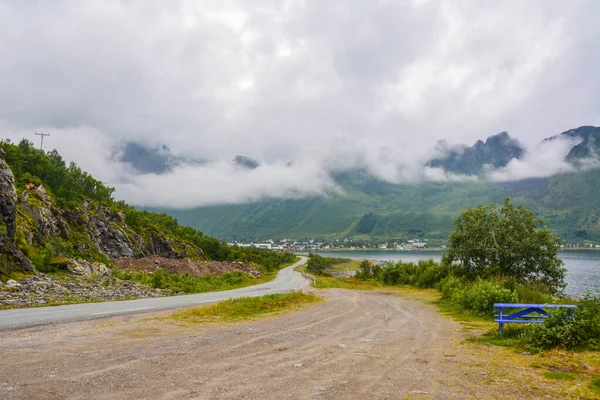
<point x="508" y="242"/>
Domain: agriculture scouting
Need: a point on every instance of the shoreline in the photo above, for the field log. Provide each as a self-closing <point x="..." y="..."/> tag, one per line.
<point x="431" y="249"/>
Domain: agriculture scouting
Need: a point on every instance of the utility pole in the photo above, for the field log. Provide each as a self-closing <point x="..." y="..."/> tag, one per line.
<point x="42" y="142"/>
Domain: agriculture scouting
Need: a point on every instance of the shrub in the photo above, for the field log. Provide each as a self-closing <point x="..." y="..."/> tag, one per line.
<point x="318" y="264"/>
<point x="364" y="270"/>
<point x="449" y="285"/>
<point x="431" y="273"/>
<point x="534" y="294"/>
<point x="480" y="296"/>
<point x="424" y="274"/>
<point x="558" y="330"/>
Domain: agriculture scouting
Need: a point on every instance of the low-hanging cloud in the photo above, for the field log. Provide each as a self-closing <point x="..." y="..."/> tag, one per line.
<point x="329" y="85"/>
<point x="546" y="160"/>
<point x="222" y="183"/>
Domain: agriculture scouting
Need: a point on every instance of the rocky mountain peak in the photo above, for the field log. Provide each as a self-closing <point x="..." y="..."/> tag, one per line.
<point x="497" y="150"/>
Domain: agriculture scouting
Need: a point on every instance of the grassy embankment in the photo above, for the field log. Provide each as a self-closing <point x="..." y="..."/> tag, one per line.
<point x="203" y="283"/>
<point x="246" y="308"/>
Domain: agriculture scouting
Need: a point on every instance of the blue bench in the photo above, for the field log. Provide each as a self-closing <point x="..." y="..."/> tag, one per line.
<point x="527" y="314"/>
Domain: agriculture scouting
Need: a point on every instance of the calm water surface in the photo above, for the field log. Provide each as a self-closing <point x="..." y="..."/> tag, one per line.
<point x="583" y="266"/>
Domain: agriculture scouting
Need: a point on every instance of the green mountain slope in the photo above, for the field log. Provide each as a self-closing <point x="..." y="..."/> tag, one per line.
<point x="569" y="204"/>
<point x="368" y="207"/>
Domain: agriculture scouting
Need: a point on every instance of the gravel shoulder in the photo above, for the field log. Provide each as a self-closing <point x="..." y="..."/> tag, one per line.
<point x="356" y="345"/>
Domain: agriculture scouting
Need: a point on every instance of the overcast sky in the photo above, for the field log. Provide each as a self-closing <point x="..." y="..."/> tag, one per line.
<point x="321" y="82"/>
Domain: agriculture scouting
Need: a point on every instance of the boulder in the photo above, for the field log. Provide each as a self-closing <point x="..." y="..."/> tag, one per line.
<point x="11" y="283"/>
<point x="82" y="267"/>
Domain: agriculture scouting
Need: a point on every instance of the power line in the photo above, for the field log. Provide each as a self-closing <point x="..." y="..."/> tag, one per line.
<point x="42" y="139"/>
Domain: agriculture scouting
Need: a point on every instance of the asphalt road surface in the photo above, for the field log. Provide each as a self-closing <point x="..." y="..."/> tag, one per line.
<point x="287" y="280"/>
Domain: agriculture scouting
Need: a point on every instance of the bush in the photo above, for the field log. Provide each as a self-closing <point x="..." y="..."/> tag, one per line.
<point x="480" y="296"/>
<point x="318" y="264"/>
<point x="431" y="273"/>
<point x="534" y="294"/>
<point x="449" y="285"/>
<point x="366" y="270"/>
<point x="559" y="330"/>
<point x="424" y="274"/>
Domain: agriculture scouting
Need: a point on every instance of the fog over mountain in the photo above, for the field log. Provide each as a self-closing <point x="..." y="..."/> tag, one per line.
<point x="304" y="88"/>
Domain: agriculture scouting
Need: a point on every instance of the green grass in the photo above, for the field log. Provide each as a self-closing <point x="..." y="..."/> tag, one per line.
<point x="331" y="282"/>
<point x="567" y="376"/>
<point x="193" y="284"/>
<point x="198" y="284"/>
<point x="247" y="308"/>
<point x="346" y="265"/>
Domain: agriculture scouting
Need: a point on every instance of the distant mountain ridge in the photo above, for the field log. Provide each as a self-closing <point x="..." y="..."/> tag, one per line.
<point x="497" y="151"/>
<point x="370" y="207"/>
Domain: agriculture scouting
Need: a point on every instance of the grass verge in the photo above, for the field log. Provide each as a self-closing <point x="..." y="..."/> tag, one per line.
<point x="331" y="282"/>
<point x="246" y="308"/>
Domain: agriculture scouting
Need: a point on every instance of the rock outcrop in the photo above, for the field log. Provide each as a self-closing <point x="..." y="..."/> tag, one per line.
<point x="497" y="151"/>
<point x="13" y="257"/>
<point x="98" y="229"/>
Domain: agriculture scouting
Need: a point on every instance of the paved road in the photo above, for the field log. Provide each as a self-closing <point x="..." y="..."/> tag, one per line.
<point x="286" y="281"/>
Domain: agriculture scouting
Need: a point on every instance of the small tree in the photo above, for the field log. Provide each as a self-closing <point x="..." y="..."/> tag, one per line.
<point x="316" y="264"/>
<point x="506" y="241"/>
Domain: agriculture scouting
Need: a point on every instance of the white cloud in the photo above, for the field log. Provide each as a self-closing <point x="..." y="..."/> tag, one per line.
<point x="334" y="84"/>
<point x="216" y="183"/>
<point x="546" y="160"/>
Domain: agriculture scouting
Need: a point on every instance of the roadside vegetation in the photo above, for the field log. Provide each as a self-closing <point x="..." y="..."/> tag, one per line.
<point x="192" y="284"/>
<point x="178" y="283"/>
<point x="247" y="308"/>
<point x="320" y="265"/>
<point x="497" y="254"/>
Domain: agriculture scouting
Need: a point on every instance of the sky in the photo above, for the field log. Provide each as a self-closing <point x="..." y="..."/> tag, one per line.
<point x="325" y="84"/>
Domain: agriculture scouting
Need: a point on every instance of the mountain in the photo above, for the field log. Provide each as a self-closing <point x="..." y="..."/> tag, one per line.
<point x="245" y="162"/>
<point x="157" y="160"/>
<point x="367" y="207"/>
<point x="496" y="151"/>
<point x="589" y="146"/>
<point x="151" y="160"/>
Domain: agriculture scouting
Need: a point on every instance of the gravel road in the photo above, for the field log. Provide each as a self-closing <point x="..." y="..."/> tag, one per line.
<point x="356" y="345"/>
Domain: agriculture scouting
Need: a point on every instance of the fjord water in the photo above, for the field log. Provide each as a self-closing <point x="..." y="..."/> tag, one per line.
<point x="583" y="266"/>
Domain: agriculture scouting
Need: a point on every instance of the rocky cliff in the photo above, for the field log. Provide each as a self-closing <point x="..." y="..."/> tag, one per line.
<point x="11" y="257"/>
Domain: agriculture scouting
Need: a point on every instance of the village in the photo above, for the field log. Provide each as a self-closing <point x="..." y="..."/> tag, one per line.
<point x="356" y="244"/>
<point x="338" y="244"/>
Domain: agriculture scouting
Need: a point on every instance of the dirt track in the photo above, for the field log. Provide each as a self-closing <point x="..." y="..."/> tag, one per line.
<point x="357" y="345"/>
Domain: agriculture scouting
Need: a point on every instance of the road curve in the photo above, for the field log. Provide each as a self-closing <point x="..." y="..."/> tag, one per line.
<point x="287" y="280"/>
